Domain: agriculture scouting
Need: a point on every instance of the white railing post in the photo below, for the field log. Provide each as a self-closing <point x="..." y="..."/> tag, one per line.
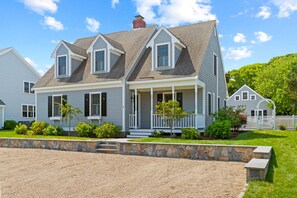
<point x="196" y="106"/>
<point x="152" y="107"/>
<point x="136" y="108"/>
<point x="173" y="98"/>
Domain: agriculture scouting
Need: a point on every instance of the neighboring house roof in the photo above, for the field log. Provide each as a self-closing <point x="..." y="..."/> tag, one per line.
<point x="11" y="49"/>
<point x="236" y="93"/>
<point x="195" y="37"/>
<point x="132" y="43"/>
<point x="1" y="102"/>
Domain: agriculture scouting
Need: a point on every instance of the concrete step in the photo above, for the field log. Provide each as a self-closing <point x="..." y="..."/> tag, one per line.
<point x="140" y="133"/>
<point x="106" y="150"/>
<point x="136" y="136"/>
<point x="141" y="130"/>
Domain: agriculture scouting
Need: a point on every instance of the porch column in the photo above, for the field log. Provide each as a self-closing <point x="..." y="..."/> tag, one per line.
<point x="136" y="108"/>
<point x="203" y="109"/>
<point x="173" y="98"/>
<point x="196" y="106"/>
<point x="152" y="107"/>
<point x="2" y="121"/>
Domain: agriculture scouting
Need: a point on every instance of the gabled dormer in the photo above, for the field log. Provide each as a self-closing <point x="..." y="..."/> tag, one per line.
<point x="104" y="54"/>
<point x="67" y="58"/>
<point x="166" y="49"/>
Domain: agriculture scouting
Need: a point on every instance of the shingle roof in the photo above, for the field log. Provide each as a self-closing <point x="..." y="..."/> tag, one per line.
<point x="132" y="43"/>
<point x="195" y="37"/>
<point x="76" y="49"/>
<point x="1" y="102"/>
<point x="114" y="43"/>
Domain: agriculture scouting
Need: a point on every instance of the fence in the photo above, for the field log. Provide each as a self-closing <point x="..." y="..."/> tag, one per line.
<point x="266" y="122"/>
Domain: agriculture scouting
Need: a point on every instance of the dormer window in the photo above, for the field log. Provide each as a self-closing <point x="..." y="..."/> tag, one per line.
<point x="100" y="65"/>
<point x="163" y="55"/>
<point x="62" y="65"/>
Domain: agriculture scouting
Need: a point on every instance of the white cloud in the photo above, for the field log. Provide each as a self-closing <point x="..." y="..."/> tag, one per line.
<point x="114" y="3"/>
<point x="92" y="24"/>
<point x="43" y="70"/>
<point x="262" y="37"/>
<point x="264" y="13"/>
<point x="253" y="42"/>
<point x="238" y="53"/>
<point x="55" y="41"/>
<point x="31" y="62"/>
<point x="239" y="38"/>
<point x="41" y="6"/>
<point x="175" y="12"/>
<point x="52" y="23"/>
<point x="286" y="7"/>
<point x="221" y="36"/>
<point x="223" y="49"/>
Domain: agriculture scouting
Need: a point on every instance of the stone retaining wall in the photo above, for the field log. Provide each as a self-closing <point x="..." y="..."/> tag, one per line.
<point x="195" y="151"/>
<point x="65" y="145"/>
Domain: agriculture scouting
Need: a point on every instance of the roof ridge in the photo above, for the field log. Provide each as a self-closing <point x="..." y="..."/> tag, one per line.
<point x="200" y="23"/>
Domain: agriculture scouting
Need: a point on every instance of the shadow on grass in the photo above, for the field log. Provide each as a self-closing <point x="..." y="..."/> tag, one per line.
<point x="251" y="135"/>
<point x="272" y="166"/>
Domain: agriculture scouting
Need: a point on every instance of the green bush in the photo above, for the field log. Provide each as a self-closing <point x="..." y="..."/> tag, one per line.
<point x="84" y="129"/>
<point x="107" y="130"/>
<point x="190" y="133"/>
<point x="296" y="128"/>
<point x="38" y="127"/>
<point x="219" y="129"/>
<point x="10" y="124"/>
<point x="282" y="127"/>
<point x="53" y="130"/>
<point x="159" y="133"/>
<point x="21" y="129"/>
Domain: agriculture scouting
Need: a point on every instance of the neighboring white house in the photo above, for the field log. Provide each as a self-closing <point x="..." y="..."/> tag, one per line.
<point x="17" y="77"/>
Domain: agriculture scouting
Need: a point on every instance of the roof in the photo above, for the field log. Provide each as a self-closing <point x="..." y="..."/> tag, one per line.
<point x="76" y="49"/>
<point x="4" y="49"/>
<point x="242" y="88"/>
<point x="1" y="102"/>
<point x="132" y="42"/>
<point x="195" y="37"/>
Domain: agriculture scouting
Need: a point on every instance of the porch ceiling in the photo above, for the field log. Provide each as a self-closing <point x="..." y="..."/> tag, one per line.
<point x="176" y="88"/>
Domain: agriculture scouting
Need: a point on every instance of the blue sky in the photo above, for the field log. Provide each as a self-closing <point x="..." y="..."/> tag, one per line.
<point x="250" y="31"/>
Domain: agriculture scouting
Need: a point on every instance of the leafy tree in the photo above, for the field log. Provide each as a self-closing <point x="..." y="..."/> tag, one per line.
<point x="292" y="82"/>
<point x="69" y="112"/>
<point x="172" y="112"/>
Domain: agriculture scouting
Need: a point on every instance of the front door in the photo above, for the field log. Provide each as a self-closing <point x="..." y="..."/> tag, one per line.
<point x="137" y="108"/>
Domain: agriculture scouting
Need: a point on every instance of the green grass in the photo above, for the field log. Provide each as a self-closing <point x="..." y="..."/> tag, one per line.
<point x="12" y="134"/>
<point x="282" y="172"/>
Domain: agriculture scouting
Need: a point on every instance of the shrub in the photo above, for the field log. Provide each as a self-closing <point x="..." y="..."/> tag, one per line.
<point x="190" y="133"/>
<point x="107" y="130"/>
<point x="38" y="127"/>
<point x="21" y="129"/>
<point x="282" y="127"/>
<point x="219" y="129"/>
<point x="84" y="129"/>
<point x="53" y="130"/>
<point x="159" y="133"/>
<point x="10" y="124"/>
<point x="31" y="123"/>
<point x="296" y="128"/>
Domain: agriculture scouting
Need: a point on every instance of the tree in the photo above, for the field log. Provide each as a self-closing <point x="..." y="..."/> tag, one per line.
<point x="172" y="112"/>
<point x="292" y="82"/>
<point x="69" y="112"/>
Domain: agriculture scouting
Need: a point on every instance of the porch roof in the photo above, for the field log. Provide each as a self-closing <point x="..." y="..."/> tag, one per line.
<point x="2" y="103"/>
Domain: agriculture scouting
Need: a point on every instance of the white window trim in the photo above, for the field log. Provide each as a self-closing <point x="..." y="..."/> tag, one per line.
<point x="156" y="57"/>
<point x="209" y="111"/>
<point x="106" y="67"/>
<point x="238" y="98"/>
<point x="218" y="103"/>
<point x="29" y="86"/>
<point x="165" y="93"/>
<point x="90" y="117"/>
<point x="57" y="66"/>
<point x="53" y="111"/>
<point x="253" y="95"/>
<point x="34" y="113"/>
<point x="247" y="98"/>
<point x="213" y="102"/>
<point x="217" y="63"/>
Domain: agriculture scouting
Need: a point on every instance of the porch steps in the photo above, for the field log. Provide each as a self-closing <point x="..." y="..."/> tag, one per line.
<point x="136" y="133"/>
<point x="106" y="147"/>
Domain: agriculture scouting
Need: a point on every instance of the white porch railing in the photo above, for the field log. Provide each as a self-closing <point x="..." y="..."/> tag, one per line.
<point x="131" y="120"/>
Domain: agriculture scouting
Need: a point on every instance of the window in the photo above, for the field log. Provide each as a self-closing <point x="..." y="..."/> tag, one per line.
<point x="219" y="101"/>
<point x="252" y="112"/>
<point x="225" y="103"/>
<point x="209" y="104"/>
<point x="215" y="64"/>
<point x="95" y="104"/>
<point x="28" y="87"/>
<point x="62" y="65"/>
<point x="237" y="98"/>
<point x="245" y="95"/>
<point x="265" y="112"/>
<point x="28" y="111"/>
<point x="162" y="54"/>
<point x="56" y="107"/>
<point x="253" y="97"/>
<point x="100" y="61"/>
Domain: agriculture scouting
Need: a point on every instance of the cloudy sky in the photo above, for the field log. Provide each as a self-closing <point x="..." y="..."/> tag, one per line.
<point x="250" y="30"/>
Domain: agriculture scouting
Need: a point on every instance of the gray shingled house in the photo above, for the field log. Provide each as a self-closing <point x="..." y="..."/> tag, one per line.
<point x="120" y="77"/>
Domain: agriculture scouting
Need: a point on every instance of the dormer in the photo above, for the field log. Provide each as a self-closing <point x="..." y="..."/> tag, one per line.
<point x="67" y="58"/>
<point x="104" y="54"/>
<point x="166" y="49"/>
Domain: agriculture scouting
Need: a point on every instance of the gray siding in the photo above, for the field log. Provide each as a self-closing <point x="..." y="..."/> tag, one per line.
<point x="75" y="63"/>
<point x="177" y="53"/>
<point x="113" y="59"/>
<point x="13" y="74"/>
<point x="76" y="99"/>
<point x="248" y="104"/>
<point x="100" y="44"/>
<point x="163" y="37"/>
<point x="206" y="75"/>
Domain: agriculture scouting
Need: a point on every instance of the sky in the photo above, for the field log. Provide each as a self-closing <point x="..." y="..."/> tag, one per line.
<point x="250" y="31"/>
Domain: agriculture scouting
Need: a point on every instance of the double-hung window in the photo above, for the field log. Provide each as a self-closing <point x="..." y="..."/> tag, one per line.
<point x="28" y="87"/>
<point x="28" y="111"/>
<point x="163" y="55"/>
<point x="62" y="65"/>
<point x="100" y="61"/>
<point x="215" y="64"/>
<point x="56" y="107"/>
<point x="209" y="104"/>
<point x="95" y="105"/>
<point x="245" y="95"/>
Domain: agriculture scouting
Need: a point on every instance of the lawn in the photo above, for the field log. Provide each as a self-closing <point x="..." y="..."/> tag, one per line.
<point x="12" y="134"/>
<point x="282" y="173"/>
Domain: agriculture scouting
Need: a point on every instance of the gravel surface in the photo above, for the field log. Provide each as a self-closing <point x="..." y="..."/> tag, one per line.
<point x="47" y="173"/>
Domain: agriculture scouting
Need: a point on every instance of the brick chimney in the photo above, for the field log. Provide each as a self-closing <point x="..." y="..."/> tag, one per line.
<point x="139" y="22"/>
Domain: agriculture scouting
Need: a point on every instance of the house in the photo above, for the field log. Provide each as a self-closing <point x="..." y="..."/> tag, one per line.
<point x="120" y="77"/>
<point x="17" y="99"/>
